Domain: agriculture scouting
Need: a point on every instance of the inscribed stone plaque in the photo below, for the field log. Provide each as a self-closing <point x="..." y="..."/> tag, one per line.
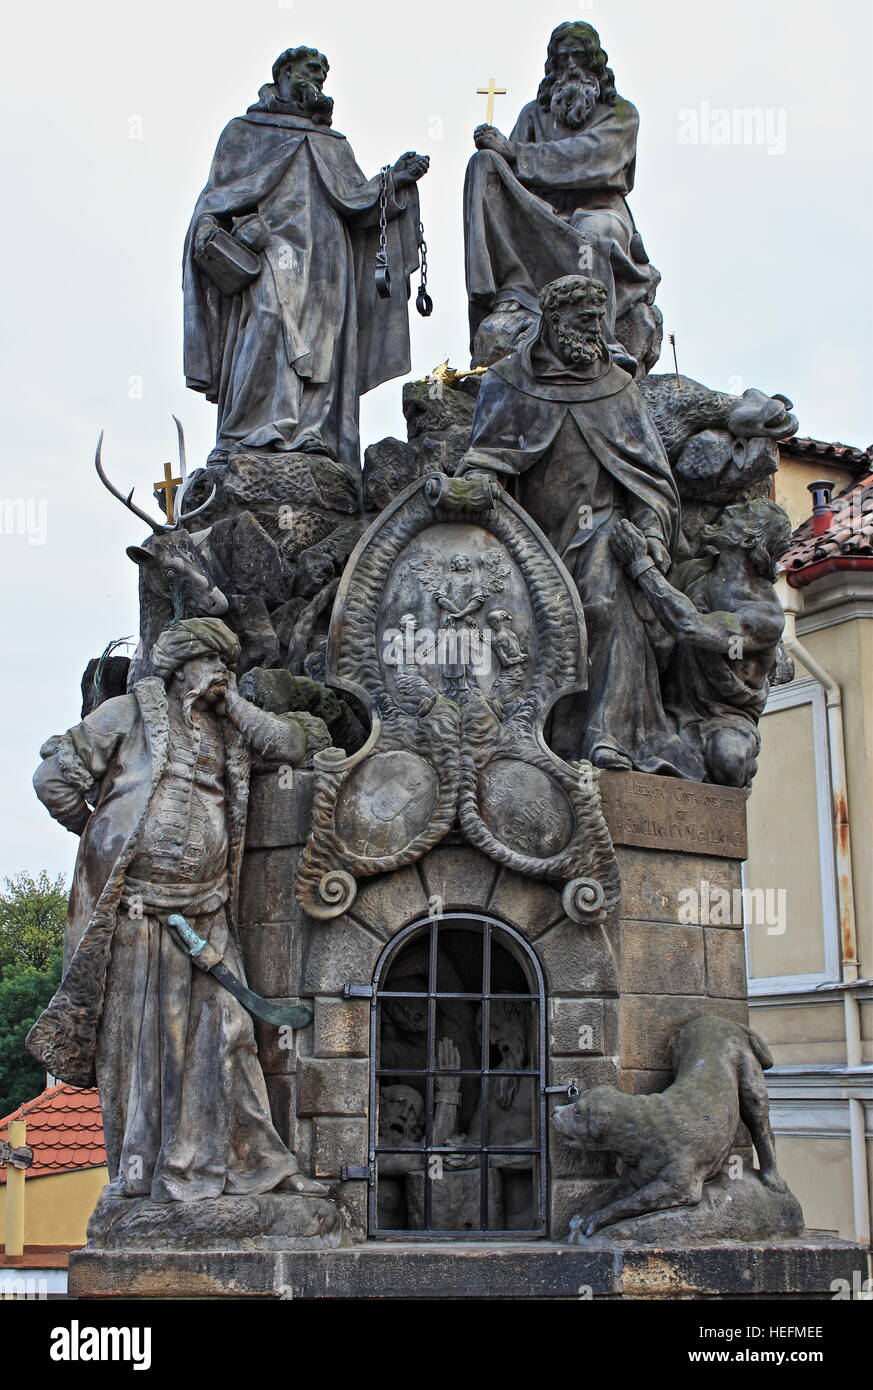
<point x="672" y="813"/>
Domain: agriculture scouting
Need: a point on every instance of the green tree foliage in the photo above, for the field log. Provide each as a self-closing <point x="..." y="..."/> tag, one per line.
<point x="32" y="916"/>
<point x="24" y="993"/>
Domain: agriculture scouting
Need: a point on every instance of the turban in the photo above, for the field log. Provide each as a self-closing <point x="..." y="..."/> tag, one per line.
<point x="190" y="638"/>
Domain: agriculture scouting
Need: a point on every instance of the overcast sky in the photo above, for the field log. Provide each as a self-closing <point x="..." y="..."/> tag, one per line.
<point x="765" y="248"/>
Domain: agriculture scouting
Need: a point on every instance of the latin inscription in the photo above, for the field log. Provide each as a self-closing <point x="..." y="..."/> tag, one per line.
<point x="670" y="813"/>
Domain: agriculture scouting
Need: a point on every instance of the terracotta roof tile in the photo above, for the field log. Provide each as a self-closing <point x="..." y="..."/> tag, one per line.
<point x="849" y="536"/>
<point x="64" y="1129"/>
<point x="801" y="446"/>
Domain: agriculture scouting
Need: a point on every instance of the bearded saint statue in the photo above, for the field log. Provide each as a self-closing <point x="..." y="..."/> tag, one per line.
<point x="287" y="347"/>
<point x="551" y="201"/>
<point x="156" y="784"/>
<point x="565" y="428"/>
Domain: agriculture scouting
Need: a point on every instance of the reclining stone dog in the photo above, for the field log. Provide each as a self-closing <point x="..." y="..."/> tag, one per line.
<point x="669" y="1145"/>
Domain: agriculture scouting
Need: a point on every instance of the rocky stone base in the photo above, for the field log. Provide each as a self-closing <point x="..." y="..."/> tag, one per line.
<point x="807" y="1268"/>
<point x="730" y="1209"/>
<point x="273" y="1221"/>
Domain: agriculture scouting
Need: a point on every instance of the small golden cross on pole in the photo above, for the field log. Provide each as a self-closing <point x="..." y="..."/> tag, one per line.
<point x="490" y="92"/>
<point x="168" y="488"/>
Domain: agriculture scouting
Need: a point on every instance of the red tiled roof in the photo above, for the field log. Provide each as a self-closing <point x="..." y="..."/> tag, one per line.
<point x="847" y="455"/>
<point x="64" y="1129"/>
<point x="846" y="544"/>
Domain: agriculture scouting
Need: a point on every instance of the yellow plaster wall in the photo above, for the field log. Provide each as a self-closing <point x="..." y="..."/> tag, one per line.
<point x="792" y="477"/>
<point x="57" y="1206"/>
<point x="819" y="1173"/>
<point x="783" y="845"/>
<point x="846" y="651"/>
<point x="800" y="1033"/>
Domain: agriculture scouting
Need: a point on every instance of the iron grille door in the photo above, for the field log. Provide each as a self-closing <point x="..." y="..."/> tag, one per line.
<point x="457" y="1104"/>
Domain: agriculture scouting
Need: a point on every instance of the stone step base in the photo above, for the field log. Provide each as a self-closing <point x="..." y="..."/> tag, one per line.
<point x="807" y="1268"/>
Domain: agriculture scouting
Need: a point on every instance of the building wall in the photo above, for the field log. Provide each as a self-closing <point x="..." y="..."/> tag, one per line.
<point x="791" y="482"/>
<point x="791" y="847"/>
<point x="57" y="1207"/>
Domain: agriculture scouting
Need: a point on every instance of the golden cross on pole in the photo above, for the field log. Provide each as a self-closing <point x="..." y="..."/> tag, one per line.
<point x="490" y="92"/>
<point x="168" y="488"/>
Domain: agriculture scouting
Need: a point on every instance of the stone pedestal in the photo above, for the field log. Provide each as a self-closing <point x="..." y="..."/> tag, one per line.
<point x="806" y="1269"/>
<point x="614" y="994"/>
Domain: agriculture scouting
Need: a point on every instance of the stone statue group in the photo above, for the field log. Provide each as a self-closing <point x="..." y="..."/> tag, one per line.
<point x="633" y="479"/>
<point x="285" y="329"/>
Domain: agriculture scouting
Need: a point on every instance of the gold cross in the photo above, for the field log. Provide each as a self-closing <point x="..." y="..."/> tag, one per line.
<point x="168" y="488"/>
<point x="490" y="92"/>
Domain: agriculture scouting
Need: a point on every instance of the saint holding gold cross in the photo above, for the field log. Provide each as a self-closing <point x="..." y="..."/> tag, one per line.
<point x="491" y="91"/>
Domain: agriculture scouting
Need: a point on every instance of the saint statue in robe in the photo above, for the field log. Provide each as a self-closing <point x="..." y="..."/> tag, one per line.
<point x="564" y="426"/>
<point x="284" y="327"/>
<point x="551" y="201"/>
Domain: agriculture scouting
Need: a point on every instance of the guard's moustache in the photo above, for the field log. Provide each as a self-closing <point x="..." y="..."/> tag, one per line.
<point x="203" y="687"/>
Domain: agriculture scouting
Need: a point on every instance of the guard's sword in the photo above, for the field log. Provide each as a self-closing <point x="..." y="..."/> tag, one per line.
<point x="280" y="1015"/>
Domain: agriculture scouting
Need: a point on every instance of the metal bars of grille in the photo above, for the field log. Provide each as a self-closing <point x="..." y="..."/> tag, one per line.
<point x="490" y="932"/>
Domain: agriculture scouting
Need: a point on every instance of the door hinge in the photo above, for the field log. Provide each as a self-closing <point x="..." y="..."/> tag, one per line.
<point x="352" y="1172"/>
<point x="357" y="991"/>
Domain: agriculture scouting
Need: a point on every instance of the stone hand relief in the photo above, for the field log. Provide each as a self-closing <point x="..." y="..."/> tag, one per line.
<point x="551" y="200"/>
<point x="284" y="327"/>
<point x="674" y="1149"/>
<point x="458" y="629"/>
<point x="156" y="782"/>
<point x="403" y="1031"/>
<point x="725" y="619"/>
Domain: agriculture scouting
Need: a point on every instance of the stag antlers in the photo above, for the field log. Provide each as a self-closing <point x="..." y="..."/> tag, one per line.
<point x="159" y="528"/>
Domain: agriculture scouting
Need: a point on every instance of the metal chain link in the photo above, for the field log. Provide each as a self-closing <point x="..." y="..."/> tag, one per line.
<point x="423" y="247"/>
<point x="383" y="274"/>
<point x="423" y="301"/>
<point x="383" y="207"/>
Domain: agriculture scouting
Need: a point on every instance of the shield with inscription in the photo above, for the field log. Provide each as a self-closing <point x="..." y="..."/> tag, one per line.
<point x="458" y="628"/>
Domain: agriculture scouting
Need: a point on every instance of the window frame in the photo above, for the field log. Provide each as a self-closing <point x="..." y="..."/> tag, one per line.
<point x="805" y="690"/>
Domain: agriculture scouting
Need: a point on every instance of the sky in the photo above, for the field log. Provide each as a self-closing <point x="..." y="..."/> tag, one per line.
<point x="761" y="230"/>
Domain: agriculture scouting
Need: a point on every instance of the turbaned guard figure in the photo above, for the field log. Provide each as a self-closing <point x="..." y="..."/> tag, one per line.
<point x="166" y="771"/>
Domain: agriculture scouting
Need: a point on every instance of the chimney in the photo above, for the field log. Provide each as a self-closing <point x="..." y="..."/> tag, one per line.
<point x="822" y="516"/>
